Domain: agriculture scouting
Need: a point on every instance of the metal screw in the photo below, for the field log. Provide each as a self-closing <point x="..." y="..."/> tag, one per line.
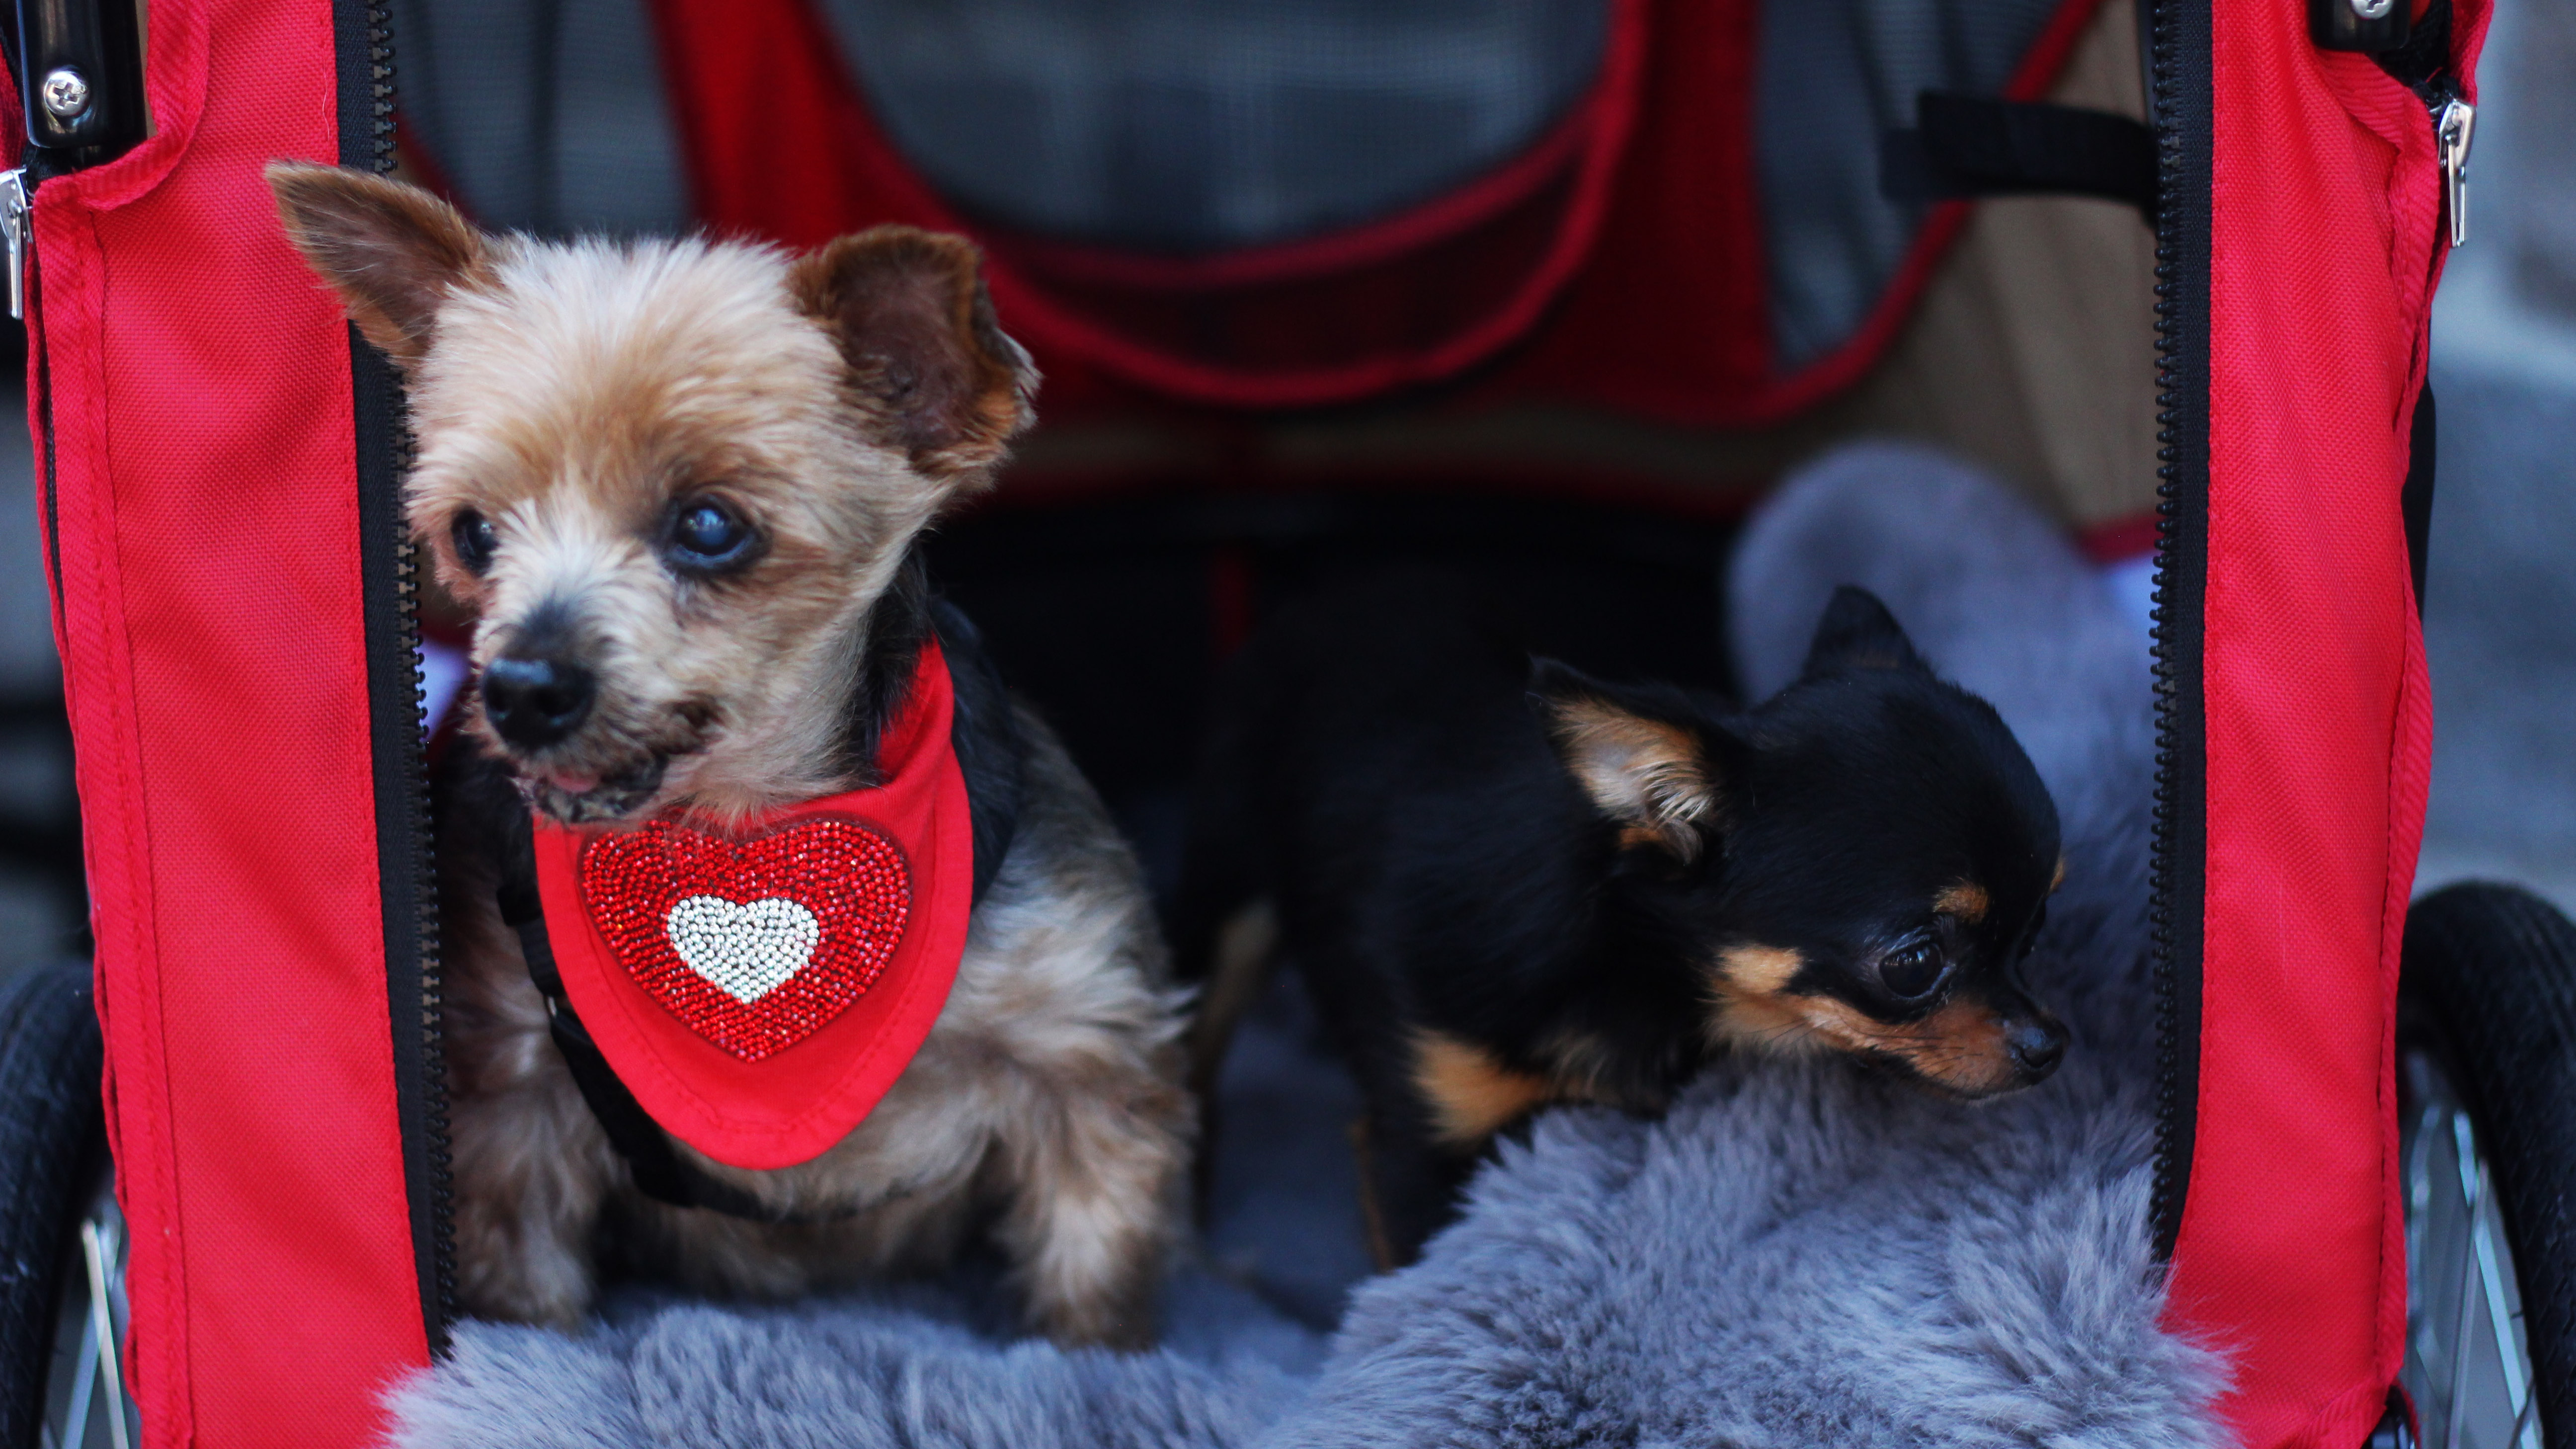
<point x="67" y="95"/>
<point x="2373" y="9"/>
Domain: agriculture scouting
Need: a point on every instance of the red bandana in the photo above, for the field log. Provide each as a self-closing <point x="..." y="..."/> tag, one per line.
<point x="759" y="990"/>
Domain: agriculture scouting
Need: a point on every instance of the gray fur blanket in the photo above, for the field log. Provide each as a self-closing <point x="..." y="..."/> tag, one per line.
<point x="1799" y="1253"/>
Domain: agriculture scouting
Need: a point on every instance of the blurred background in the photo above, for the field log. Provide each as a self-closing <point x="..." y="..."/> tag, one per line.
<point x="2501" y="608"/>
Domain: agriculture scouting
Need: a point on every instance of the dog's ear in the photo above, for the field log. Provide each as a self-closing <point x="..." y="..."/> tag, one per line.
<point x="916" y="326"/>
<point x="393" y="252"/>
<point x="1857" y="632"/>
<point x="1650" y="763"/>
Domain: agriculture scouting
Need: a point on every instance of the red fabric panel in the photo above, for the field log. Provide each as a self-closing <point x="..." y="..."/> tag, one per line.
<point x="2325" y="200"/>
<point x="1619" y="264"/>
<point x="782" y="146"/>
<point x="213" y="659"/>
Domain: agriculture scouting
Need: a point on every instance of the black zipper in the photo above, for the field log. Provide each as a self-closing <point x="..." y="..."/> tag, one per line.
<point x="390" y="579"/>
<point x="2179" y="79"/>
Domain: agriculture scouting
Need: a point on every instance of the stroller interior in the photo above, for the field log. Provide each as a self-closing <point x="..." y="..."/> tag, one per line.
<point x="1548" y="296"/>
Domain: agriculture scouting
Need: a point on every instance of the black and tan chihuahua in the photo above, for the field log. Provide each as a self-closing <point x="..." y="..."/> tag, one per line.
<point x="1507" y="884"/>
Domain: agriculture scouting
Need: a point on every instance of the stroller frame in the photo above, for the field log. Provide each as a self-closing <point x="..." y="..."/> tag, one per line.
<point x="266" y="945"/>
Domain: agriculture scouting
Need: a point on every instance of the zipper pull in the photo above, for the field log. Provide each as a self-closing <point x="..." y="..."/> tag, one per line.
<point x="2453" y="120"/>
<point x="13" y="228"/>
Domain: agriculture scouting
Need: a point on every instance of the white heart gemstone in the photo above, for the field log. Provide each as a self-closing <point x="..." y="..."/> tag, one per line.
<point x="744" y="951"/>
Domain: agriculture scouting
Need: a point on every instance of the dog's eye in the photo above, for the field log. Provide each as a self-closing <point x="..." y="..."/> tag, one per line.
<point x="708" y="535"/>
<point x="1912" y="970"/>
<point x="476" y="540"/>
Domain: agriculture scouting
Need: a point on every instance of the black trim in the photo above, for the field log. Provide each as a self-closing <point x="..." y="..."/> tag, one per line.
<point x="2182" y="93"/>
<point x="2415" y="500"/>
<point x="389" y="567"/>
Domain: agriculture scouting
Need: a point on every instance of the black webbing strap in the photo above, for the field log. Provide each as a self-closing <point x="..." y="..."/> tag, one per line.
<point x="992" y="756"/>
<point x="1971" y="146"/>
<point x="657" y="1167"/>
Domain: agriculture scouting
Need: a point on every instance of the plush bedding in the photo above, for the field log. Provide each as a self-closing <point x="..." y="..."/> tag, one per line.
<point x="1800" y="1252"/>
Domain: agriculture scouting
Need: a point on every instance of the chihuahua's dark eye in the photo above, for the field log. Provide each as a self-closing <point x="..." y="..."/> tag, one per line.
<point x="706" y="535"/>
<point x="476" y="540"/>
<point x="1912" y="970"/>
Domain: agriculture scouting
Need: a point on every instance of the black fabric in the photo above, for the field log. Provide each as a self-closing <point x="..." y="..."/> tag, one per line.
<point x="1970" y="146"/>
<point x="992" y="757"/>
<point x="2426" y="52"/>
<point x="2491" y="971"/>
<point x="2415" y="500"/>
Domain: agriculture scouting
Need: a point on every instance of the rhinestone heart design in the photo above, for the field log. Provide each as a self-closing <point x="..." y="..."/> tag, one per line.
<point x="754" y="943"/>
<point x="745" y="950"/>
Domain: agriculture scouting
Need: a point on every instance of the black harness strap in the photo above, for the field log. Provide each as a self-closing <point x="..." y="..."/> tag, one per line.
<point x="656" y="1166"/>
<point x="1971" y="146"/>
<point x="993" y="759"/>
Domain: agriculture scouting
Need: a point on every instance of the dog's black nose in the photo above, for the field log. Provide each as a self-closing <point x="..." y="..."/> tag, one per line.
<point x="535" y="702"/>
<point x="2036" y="1047"/>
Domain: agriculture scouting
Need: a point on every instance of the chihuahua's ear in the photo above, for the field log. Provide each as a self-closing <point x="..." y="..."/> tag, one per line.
<point x="393" y="252"/>
<point x="1857" y="632"/>
<point x="1649" y="762"/>
<point x="916" y="326"/>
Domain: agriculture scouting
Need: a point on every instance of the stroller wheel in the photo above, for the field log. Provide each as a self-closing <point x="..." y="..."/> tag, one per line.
<point x="2487" y="1101"/>
<point x="52" y="1161"/>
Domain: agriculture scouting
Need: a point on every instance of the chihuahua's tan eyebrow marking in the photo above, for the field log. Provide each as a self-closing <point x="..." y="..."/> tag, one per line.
<point x="1967" y="900"/>
<point x="1759" y="970"/>
<point x="1745" y="995"/>
<point x="1471" y="1095"/>
<point x="2058" y="879"/>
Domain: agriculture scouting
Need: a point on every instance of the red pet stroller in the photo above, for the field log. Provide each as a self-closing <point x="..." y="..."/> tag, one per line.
<point x="1597" y="306"/>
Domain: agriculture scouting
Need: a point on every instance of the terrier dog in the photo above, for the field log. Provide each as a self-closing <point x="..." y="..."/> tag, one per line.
<point x="679" y="484"/>
<point x="1507" y="884"/>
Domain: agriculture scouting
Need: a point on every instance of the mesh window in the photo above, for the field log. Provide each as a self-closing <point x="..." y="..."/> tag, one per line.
<point x="1188" y="125"/>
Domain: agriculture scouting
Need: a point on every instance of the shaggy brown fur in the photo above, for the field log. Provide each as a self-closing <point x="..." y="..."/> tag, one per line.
<point x="573" y="396"/>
